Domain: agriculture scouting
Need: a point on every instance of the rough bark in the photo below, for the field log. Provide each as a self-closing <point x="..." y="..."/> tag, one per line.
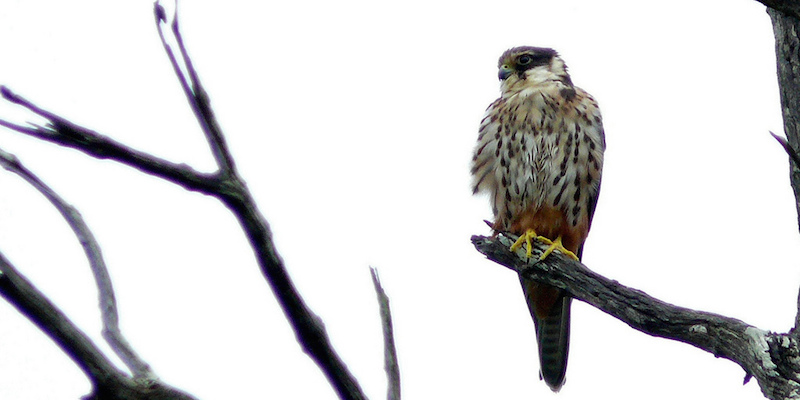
<point x="788" y="7"/>
<point x="785" y="16"/>
<point x="769" y="357"/>
<point x="787" y="52"/>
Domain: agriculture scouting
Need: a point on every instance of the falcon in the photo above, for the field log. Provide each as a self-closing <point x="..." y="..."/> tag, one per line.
<point x="539" y="157"/>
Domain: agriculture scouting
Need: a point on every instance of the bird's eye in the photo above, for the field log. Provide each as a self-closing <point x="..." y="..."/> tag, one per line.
<point x="524" y="59"/>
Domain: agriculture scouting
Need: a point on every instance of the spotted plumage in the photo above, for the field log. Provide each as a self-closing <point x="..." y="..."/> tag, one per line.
<point x="539" y="157"/>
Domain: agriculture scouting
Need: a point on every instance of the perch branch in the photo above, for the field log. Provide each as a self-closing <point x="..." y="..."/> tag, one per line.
<point x="390" y="352"/>
<point x="763" y="355"/>
<point x="108" y="304"/>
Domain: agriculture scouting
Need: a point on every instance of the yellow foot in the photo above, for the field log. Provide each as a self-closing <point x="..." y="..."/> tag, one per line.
<point x="556" y="245"/>
<point x="527" y="237"/>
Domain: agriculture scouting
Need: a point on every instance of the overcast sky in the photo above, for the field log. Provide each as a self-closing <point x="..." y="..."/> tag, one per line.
<point x="353" y="123"/>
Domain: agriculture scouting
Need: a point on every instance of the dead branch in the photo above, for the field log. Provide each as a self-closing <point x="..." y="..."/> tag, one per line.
<point x="195" y="93"/>
<point x="785" y="26"/>
<point x="64" y="133"/>
<point x="787" y="56"/>
<point x="389" y="352"/>
<point x="34" y="304"/>
<point x="788" y="7"/>
<point x="225" y="184"/>
<point x="108" y="304"/>
<point x="769" y="357"/>
<point x="108" y="382"/>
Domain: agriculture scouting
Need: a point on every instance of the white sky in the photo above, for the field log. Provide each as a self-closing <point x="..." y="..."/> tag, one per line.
<point x="353" y="123"/>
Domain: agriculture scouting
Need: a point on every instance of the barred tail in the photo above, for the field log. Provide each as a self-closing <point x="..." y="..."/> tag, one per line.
<point x="550" y="309"/>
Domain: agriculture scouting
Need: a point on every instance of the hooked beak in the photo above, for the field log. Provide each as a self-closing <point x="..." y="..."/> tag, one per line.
<point x="505" y="72"/>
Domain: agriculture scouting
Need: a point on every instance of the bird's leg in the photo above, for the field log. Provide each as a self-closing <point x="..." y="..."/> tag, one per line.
<point x="526" y="238"/>
<point x="557" y="245"/>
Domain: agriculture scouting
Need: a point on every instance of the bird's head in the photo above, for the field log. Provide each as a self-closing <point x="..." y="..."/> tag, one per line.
<point x="525" y="66"/>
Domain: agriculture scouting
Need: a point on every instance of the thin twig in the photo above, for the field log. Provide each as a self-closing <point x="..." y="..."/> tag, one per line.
<point x="391" y="365"/>
<point x="195" y="93"/>
<point x="108" y="304"/>
<point x="788" y="148"/>
<point x="65" y="133"/>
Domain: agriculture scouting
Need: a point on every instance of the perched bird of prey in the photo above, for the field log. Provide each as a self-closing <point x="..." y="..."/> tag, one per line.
<point x="539" y="158"/>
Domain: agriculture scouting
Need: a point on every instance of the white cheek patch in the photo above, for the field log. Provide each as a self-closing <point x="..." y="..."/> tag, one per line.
<point x="540" y="74"/>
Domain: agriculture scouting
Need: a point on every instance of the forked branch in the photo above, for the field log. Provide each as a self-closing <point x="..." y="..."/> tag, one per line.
<point x="194" y="91"/>
<point x="108" y="303"/>
<point x="225" y="184"/>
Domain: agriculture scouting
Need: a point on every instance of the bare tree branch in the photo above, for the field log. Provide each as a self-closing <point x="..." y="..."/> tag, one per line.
<point x="227" y="186"/>
<point x="233" y="192"/>
<point x="33" y="304"/>
<point x="308" y="327"/>
<point x="788" y="7"/>
<point x="107" y="381"/>
<point x="195" y="94"/>
<point x="769" y="357"/>
<point x="64" y="133"/>
<point x="787" y="54"/>
<point x="391" y="366"/>
<point x="786" y="27"/>
<point x="108" y="304"/>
